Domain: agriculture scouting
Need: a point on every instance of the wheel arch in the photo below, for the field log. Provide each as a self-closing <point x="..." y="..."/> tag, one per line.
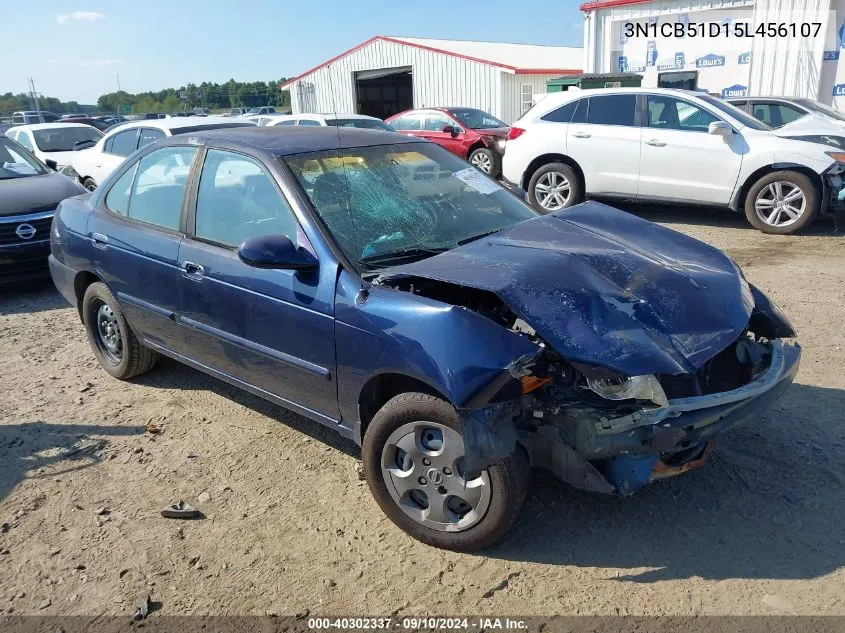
<point x="382" y="387"/>
<point x="545" y="159"/>
<point x="81" y="281"/>
<point x="737" y="202"/>
<point x="479" y="144"/>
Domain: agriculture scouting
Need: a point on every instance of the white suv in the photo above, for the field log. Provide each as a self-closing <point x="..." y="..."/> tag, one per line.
<point x="674" y="146"/>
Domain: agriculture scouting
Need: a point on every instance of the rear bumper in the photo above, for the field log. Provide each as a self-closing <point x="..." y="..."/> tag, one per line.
<point x="63" y="277"/>
<point x="24" y="261"/>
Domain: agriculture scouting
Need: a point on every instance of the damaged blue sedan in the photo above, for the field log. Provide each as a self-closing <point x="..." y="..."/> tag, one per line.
<point x="379" y="285"/>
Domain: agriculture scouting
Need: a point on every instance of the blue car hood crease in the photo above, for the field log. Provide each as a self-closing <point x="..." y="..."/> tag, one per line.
<point x="605" y="288"/>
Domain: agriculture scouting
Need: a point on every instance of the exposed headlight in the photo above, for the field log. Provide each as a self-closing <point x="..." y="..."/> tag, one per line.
<point x="624" y="388"/>
<point x="824" y="139"/>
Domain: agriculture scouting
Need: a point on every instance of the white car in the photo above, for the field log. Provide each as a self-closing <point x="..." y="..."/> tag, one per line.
<point x="55" y="143"/>
<point x="340" y="120"/>
<point x="779" y="111"/>
<point x="93" y="165"/>
<point x="675" y="146"/>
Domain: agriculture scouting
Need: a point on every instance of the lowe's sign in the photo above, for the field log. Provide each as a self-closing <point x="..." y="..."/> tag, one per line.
<point x="735" y="91"/>
<point x="744" y="58"/>
<point x="839" y="90"/>
<point x="710" y="60"/>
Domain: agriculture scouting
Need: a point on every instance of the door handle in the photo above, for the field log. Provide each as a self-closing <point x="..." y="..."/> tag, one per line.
<point x="192" y="271"/>
<point x="655" y="143"/>
<point x="99" y="241"/>
<point x="581" y="135"/>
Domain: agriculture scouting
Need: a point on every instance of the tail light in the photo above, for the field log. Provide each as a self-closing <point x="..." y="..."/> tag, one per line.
<point x="515" y="132"/>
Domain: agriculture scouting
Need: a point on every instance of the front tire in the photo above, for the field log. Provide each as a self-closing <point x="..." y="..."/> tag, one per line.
<point x="412" y="457"/>
<point x="487" y="161"/>
<point x="114" y="343"/>
<point x="553" y="187"/>
<point x="782" y="203"/>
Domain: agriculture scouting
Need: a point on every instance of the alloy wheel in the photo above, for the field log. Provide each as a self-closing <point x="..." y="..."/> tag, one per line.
<point x="482" y="161"/>
<point x="780" y="203"/>
<point x="552" y="191"/>
<point x="423" y="467"/>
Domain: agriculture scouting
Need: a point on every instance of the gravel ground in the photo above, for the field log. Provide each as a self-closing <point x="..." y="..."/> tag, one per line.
<point x="759" y="530"/>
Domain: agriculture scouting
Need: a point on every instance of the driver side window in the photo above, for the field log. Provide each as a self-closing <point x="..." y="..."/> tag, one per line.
<point x="237" y="199"/>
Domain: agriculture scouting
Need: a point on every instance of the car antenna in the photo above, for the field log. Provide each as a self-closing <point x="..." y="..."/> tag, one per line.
<point x="363" y="293"/>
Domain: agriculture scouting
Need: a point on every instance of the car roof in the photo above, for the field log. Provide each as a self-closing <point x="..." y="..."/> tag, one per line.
<point x="48" y="126"/>
<point x="176" y="122"/>
<point x="286" y="141"/>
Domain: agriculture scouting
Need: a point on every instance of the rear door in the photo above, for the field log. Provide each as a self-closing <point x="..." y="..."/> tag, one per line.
<point x="115" y="150"/>
<point x="136" y="230"/>
<point x="681" y="160"/>
<point x="272" y="330"/>
<point x="604" y="139"/>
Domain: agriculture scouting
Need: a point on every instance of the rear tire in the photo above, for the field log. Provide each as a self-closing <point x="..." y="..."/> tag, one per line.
<point x="89" y="184"/>
<point x="553" y="187"/>
<point x="782" y="203"/>
<point x="464" y="523"/>
<point x="115" y="345"/>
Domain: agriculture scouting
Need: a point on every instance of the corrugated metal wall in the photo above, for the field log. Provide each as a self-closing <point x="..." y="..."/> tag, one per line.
<point x="792" y="66"/>
<point x="512" y="90"/>
<point x="438" y="79"/>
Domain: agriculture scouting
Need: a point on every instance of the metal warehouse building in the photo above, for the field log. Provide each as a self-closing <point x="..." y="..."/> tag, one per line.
<point x="386" y="75"/>
<point x="785" y="63"/>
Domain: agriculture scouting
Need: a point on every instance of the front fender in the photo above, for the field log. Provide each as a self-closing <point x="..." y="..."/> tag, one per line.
<point x="452" y="349"/>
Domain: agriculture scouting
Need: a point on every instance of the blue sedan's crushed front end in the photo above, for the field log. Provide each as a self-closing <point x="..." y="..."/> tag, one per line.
<point x="647" y="345"/>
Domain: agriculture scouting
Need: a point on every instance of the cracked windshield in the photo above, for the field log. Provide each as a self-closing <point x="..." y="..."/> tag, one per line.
<point x="389" y="203"/>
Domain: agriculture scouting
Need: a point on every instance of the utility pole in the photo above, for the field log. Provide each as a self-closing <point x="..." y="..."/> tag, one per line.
<point x="35" y="99"/>
<point x="118" y="81"/>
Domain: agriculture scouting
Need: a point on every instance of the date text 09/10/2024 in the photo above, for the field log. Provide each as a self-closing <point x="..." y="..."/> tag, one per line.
<point x="722" y="29"/>
<point x="416" y="623"/>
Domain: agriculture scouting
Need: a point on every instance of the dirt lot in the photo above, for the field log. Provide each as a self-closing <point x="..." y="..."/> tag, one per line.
<point x="289" y="528"/>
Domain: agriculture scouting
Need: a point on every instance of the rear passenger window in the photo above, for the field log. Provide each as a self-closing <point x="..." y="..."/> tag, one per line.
<point x="160" y="186"/>
<point x="237" y="199"/>
<point x="124" y="143"/>
<point x="308" y="122"/>
<point x="563" y="114"/>
<point x="613" y="110"/>
<point x="581" y="110"/>
<point x="117" y="199"/>
<point x="149" y="135"/>
<point x="410" y="122"/>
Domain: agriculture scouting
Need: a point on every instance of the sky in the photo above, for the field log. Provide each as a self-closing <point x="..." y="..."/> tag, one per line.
<point x="76" y="49"/>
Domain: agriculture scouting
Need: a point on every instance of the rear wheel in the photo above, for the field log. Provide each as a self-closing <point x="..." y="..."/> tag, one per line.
<point x="413" y="458"/>
<point x="114" y="344"/>
<point x="89" y="184"/>
<point x="553" y="187"/>
<point x="782" y="203"/>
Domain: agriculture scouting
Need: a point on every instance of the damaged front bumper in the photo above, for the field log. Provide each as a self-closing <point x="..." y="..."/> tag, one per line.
<point x="589" y="448"/>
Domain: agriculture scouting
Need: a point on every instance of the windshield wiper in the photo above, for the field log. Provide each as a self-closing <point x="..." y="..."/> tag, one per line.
<point x="405" y="253"/>
<point x="467" y="240"/>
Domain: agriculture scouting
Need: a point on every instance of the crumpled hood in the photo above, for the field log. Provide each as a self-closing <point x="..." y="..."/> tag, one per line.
<point x="811" y="124"/>
<point x="35" y="193"/>
<point x="606" y="288"/>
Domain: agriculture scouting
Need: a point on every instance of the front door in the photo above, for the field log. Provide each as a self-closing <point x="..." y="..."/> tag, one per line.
<point x="604" y="139"/>
<point x="272" y="330"/>
<point x="455" y="142"/>
<point x="681" y="160"/>
<point x="135" y="232"/>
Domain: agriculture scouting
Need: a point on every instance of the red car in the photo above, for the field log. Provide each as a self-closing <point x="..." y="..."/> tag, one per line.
<point x="471" y="134"/>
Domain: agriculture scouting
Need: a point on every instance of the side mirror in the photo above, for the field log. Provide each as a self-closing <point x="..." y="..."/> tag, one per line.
<point x="720" y="128"/>
<point x="275" y="251"/>
<point x="450" y="129"/>
<point x="51" y="164"/>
